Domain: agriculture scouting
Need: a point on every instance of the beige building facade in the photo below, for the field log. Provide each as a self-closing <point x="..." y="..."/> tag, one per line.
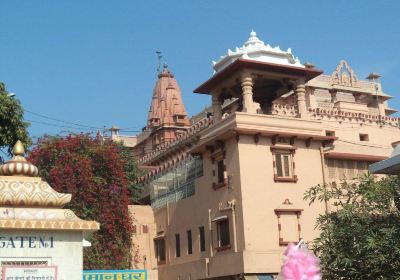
<point x="225" y="197"/>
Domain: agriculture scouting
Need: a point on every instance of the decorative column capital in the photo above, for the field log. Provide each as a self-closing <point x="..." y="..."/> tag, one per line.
<point x="245" y="74"/>
<point x="301" y="88"/>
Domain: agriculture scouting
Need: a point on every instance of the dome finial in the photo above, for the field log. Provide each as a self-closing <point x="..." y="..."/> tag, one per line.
<point x="18" y="149"/>
<point x="253" y="40"/>
<point x="18" y="165"/>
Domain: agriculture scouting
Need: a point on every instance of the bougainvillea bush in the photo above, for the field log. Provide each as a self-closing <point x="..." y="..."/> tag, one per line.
<point x="98" y="174"/>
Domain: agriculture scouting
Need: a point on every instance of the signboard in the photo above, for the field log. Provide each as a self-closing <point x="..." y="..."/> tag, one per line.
<point x="114" y="275"/>
<point x="29" y="272"/>
<point x="32" y="242"/>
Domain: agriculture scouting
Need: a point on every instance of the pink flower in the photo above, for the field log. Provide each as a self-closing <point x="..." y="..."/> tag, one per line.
<point x="300" y="264"/>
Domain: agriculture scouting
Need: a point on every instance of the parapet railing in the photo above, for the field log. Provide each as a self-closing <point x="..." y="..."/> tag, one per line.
<point x="194" y="129"/>
<point x="353" y="116"/>
<point x="284" y="110"/>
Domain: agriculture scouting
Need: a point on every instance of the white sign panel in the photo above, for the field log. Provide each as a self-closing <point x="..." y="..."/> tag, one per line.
<point x="29" y="273"/>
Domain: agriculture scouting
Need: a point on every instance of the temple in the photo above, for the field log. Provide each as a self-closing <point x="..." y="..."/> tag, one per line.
<point x="167" y="117"/>
<point x="223" y="193"/>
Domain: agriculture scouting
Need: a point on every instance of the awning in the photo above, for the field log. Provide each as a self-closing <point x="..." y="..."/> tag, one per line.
<point x="159" y="237"/>
<point x="388" y="166"/>
<point x="220" y="218"/>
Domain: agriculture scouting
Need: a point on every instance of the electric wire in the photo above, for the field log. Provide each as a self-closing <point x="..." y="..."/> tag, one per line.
<point x="362" y="144"/>
<point x="56" y="125"/>
<point x="62" y="121"/>
<point x="78" y="125"/>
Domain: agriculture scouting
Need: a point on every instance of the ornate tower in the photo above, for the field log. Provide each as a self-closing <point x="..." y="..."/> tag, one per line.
<point x="167" y="115"/>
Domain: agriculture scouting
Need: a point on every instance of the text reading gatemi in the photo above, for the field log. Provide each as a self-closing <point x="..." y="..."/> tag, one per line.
<point x="26" y="242"/>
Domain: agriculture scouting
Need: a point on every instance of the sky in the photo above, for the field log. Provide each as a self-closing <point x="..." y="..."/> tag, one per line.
<point x="92" y="64"/>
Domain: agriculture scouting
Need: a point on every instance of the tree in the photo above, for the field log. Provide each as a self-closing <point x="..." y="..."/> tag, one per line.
<point x="360" y="237"/>
<point x="12" y="126"/>
<point x="93" y="170"/>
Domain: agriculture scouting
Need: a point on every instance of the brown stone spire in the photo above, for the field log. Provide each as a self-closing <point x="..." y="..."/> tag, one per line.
<point x="167" y="107"/>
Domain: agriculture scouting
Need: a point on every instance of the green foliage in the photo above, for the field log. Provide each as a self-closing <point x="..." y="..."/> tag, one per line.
<point x="132" y="172"/>
<point x="12" y="126"/>
<point x="360" y="235"/>
<point x="98" y="174"/>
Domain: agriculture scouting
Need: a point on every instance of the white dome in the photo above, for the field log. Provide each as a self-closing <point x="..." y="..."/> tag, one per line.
<point x="257" y="50"/>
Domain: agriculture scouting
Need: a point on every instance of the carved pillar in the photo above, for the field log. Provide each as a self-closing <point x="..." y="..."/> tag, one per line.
<point x="216" y="106"/>
<point x="247" y="93"/>
<point x="333" y="93"/>
<point x="301" y="100"/>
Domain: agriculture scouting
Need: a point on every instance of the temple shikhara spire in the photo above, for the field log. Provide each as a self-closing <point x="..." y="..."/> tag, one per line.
<point x="167" y="116"/>
<point x="167" y="107"/>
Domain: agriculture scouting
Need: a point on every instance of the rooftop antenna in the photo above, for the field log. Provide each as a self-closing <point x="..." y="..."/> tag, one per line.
<point x="159" y="57"/>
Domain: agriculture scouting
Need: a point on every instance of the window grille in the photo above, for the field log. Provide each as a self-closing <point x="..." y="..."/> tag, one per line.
<point x="339" y="169"/>
<point x="176" y="183"/>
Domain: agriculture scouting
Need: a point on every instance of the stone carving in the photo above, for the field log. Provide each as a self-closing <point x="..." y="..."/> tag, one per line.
<point x="356" y="117"/>
<point x="30" y="193"/>
<point x="284" y="110"/>
<point x="49" y="225"/>
<point x="344" y="75"/>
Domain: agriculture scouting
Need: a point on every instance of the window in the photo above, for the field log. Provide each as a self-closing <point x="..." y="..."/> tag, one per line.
<point x="364" y="137"/>
<point x="189" y="240"/>
<point x="283" y="162"/>
<point x="145" y="229"/>
<point x="220" y="171"/>
<point x="284" y="166"/>
<point x="159" y="246"/>
<point x="202" y="239"/>
<point x="177" y="246"/>
<point x="217" y="156"/>
<point x="223" y="234"/>
<point x="221" y="180"/>
<point x="329" y="133"/>
<point x="198" y="162"/>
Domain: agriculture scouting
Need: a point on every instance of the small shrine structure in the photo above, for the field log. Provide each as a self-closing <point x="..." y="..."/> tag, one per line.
<point x="38" y="237"/>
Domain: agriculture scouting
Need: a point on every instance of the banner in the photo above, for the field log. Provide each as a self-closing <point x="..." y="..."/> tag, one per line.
<point x="114" y="275"/>
<point x="29" y="273"/>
